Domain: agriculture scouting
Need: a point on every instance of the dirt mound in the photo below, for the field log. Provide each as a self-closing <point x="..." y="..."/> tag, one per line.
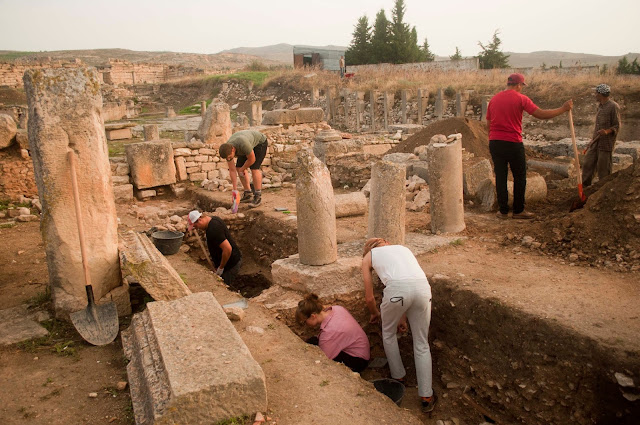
<point x="607" y="229"/>
<point x="474" y="136"/>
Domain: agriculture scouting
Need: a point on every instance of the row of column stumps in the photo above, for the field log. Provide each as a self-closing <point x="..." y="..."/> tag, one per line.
<point x="422" y="98"/>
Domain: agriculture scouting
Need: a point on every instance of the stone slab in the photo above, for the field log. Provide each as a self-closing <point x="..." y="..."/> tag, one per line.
<point x="119" y="134"/>
<point x="141" y="262"/>
<point x="18" y="324"/>
<point x="123" y="193"/>
<point x="151" y="163"/>
<point x="343" y="276"/>
<point x="351" y="204"/>
<point x="298" y="116"/>
<point x="188" y="364"/>
<point x="406" y="128"/>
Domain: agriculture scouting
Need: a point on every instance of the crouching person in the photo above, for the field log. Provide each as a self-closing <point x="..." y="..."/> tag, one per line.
<point x="341" y="337"/>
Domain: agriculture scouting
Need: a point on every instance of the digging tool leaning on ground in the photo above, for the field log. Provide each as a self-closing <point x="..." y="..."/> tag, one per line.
<point x="223" y="249"/>
<point x="504" y="123"/>
<point x="250" y="147"/>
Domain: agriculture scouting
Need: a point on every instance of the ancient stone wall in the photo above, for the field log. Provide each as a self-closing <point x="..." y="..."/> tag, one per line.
<point x="123" y="72"/>
<point x="16" y="174"/>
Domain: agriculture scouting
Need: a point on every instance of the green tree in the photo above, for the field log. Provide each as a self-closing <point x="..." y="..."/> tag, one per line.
<point x="624" y="67"/>
<point x="359" y="51"/>
<point x="427" y="54"/>
<point x="456" y="56"/>
<point x="402" y="50"/>
<point x="635" y="67"/>
<point x="381" y="39"/>
<point x="491" y="56"/>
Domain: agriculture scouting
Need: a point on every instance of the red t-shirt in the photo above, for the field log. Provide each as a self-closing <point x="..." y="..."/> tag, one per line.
<point x="505" y="113"/>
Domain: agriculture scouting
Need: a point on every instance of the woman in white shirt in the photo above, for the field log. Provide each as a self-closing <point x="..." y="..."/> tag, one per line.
<point x="407" y="295"/>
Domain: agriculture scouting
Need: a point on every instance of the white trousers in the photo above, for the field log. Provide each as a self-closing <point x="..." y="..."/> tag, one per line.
<point x="414" y="299"/>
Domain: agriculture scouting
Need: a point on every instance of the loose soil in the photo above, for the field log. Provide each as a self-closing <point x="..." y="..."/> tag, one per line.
<point x="497" y="297"/>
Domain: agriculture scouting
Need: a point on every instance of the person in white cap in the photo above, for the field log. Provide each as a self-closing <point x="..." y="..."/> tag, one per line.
<point x="223" y="249"/>
<point x="599" y="156"/>
<point x="504" y="123"/>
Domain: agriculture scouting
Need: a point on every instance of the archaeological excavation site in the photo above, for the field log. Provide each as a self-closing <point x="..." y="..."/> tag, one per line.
<point x="116" y="306"/>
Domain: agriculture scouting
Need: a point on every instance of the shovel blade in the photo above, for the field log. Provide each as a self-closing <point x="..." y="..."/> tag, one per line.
<point x="97" y="324"/>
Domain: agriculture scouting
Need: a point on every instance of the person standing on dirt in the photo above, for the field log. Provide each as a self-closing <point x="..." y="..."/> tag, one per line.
<point x="250" y="147"/>
<point x="224" y="252"/>
<point x="341" y="336"/>
<point x="599" y="156"/>
<point x="407" y="295"/>
<point x="504" y="123"/>
<point x="343" y="67"/>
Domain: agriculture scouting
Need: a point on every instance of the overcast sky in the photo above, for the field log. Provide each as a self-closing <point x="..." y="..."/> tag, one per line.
<point x="209" y="26"/>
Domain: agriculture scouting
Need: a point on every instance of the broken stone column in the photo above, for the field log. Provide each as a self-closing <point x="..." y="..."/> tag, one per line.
<point x="459" y="105"/>
<point x="387" y="202"/>
<point x="372" y="100"/>
<point x="203" y="108"/>
<point x="215" y="127"/>
<point x="170" y="112"/>
<point x="385" y="106"/>
<point x="358" y="111"/>
<point x="485" y="105"/>
<point x="351" y="204"/>
<point x="439" y="106"/>
<point x="189" y="365"/>
<point x="327" y="95"/>
<point x="256" y="113"/>
<point x="403" y="105"/>
<point x="445" y="184"/>
<point x="65" y="112"/>
<point x="316" y="212"/>
<point x="151" y="132"/>
<point x="423" y="100"/>
<point x="315" y="95"/>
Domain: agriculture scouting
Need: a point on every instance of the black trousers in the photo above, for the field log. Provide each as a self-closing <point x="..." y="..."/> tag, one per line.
<point x="507" y="155"/>
<point x="356" y="364"/>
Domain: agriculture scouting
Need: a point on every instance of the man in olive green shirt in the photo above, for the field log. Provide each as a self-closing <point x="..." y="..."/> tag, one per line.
<point x="250" y="147"/>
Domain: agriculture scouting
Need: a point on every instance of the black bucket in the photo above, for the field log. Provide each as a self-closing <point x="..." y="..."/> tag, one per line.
<point x="391" y="388"/>
<point x="167" y="242"/>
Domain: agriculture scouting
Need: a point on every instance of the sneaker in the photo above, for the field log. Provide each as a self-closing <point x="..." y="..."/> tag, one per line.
<point x="257" y="200"/>
<point x="502" y="216"/>
<point x="429" y="403"/>
<point x="524" y="215"/>
<point x="246" y="196"/>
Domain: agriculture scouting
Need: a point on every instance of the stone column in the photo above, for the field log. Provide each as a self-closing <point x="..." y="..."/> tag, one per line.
<point x="170" y="112"/>
<point x="256" y="113"/>
<point x="485" y="105"/>
<point x="372" y="99"/>
<point x="203" y="108"/>
<point x="327" y="95"/>
<point x="358" y="111"/>
<point x="151" y="132"/>
<point x="459" y="111"/>
<point x="387" y="202"/>
<point x="403" y="105"/>
<point x="315" y="95"/>
<point x="423" y="100"/>
<point x="385" y="105"/>
<point x="316" y="210"/>
<point x="215" y="127"/>
<point x="444" y="158"/>
<point x="65" y="112"/>
<point x="439" y="106"/>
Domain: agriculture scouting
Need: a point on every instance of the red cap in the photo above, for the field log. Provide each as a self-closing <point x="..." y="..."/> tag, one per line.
<point x="516" y="79"/>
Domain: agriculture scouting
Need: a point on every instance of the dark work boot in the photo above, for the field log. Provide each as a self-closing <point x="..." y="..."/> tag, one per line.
<point x="246" y="196"/>
<point x="257" y="199"/>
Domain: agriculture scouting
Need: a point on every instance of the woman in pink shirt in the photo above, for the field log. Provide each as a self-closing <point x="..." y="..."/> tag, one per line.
<point x="341" y="337"/>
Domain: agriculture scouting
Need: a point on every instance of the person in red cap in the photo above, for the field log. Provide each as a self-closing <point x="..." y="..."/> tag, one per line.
<point x="504" y="122"/>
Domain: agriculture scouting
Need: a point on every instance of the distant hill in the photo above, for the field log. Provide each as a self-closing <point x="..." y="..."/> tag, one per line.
<point x="101" y="56"/>
<point x="278" y="54"/>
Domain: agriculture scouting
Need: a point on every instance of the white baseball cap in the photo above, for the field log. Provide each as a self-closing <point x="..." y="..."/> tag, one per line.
<point x="193" y="217"/>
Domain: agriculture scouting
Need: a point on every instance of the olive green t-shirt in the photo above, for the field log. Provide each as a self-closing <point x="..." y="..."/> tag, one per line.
<point x="244" y="141"/>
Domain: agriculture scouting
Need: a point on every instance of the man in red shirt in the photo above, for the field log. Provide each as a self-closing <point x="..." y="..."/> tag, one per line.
<point x="504" y="122"/>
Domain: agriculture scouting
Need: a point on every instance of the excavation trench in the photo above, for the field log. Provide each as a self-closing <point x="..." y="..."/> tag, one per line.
<point x="491" y="361"/>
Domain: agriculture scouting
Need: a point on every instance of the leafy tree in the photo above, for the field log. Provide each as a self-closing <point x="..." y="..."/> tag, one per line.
<point x="491" y="56"/>
<point x="456" y="56"/>
<point x="359" y="51"/>
<point x="404" y="46"/>
<point x="427" y="54"/>
<point x="635" y="67"/>
<point x="381" y="39"/>
<point x="543" y="66"/>
<point x="624" y="67"/>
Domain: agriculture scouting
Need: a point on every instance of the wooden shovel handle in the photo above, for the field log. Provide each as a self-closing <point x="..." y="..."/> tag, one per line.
<point x="575" y="147"/>
<point x="76" y="200"/>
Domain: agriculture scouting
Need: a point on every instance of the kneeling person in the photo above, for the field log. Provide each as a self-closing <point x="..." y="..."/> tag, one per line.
<point x="223" y="250"/>
<point x="341" y="337"/>
<point x="250" y="147"/>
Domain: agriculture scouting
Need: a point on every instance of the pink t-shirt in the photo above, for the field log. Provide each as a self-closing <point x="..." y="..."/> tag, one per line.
<point x="505" y="113"/>
<point x="341" y="332"/>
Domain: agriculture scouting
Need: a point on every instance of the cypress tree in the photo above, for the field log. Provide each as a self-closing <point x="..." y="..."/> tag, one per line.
<point x="359" y="51"/>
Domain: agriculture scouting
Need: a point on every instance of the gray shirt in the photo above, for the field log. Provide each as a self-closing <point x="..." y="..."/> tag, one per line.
<point x="244" y="141"/>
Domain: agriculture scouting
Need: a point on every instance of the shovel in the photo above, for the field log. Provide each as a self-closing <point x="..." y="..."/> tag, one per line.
<point x="97" y="324"/>
<point x="582" y="198"/>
